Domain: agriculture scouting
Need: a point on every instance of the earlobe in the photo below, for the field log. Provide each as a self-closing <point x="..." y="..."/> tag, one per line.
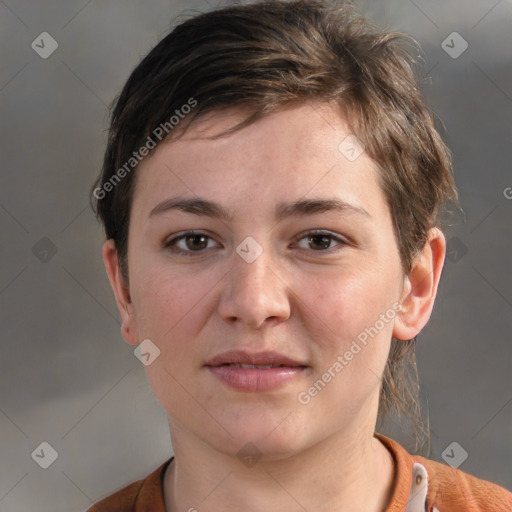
<point x="420" y="287"/>
<point x="121" y="292"/>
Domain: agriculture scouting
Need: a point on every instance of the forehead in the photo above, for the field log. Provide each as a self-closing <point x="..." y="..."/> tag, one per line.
<point x="307" y="130"/>
<point x="287" y="154"/>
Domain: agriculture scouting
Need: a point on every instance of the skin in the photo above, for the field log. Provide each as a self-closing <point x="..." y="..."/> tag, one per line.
<point x="298" y="297"/>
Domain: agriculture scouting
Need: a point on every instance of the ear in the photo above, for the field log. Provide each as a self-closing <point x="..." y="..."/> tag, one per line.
<point x="121" y="292"/>
<point x="420" y="287"/>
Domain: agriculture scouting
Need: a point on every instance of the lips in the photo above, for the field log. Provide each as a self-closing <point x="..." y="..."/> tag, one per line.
<point x="258" y="366"/>
<point x="256" y="372"/>
<point x="262" y="359"/>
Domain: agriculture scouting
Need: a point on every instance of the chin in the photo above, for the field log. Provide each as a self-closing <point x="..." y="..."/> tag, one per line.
<point x="263" y="438"/>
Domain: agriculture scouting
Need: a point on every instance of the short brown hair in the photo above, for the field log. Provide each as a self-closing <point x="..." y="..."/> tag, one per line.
<point x="274" y="54"/>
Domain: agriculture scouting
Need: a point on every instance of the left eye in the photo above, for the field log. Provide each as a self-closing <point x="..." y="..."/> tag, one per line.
<point x="322" y="239"/>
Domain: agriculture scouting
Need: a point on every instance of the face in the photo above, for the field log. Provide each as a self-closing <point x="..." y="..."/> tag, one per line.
<point x="303" y="271"/>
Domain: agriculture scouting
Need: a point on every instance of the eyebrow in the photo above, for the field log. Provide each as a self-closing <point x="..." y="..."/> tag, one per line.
<point x="300" y="208"/>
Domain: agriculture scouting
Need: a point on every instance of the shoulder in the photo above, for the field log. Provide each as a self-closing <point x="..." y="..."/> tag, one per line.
<point x="422" y="484"/>
<point x="139" y="495"/>
<point x="121" y="501"/>
<point x="453" y="490"/>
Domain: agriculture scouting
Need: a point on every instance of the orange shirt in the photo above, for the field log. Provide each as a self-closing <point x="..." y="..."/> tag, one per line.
<point x="421" y="485"/>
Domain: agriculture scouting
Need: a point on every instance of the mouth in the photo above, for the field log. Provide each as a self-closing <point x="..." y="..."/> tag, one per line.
<point x="259" y="366"/>
<point x="256" y="372"/>
<point x="263" y="360"/>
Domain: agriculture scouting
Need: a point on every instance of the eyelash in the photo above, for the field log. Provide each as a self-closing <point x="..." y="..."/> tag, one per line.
<point x="171" y="244"/>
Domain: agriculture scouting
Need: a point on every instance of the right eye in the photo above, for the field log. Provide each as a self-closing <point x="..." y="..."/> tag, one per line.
<point x="192" y="243"/>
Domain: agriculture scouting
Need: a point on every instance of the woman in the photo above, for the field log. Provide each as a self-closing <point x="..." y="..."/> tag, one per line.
<point x="271" y="194"/>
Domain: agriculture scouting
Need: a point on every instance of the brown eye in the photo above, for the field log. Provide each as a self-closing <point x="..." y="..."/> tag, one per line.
<point x="196" y="242"/>
<point x="320" y="241"/>
<point x="188" y="244"/>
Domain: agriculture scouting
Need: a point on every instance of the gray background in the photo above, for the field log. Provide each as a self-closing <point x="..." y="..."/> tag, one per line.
<point x="66" y="375"/>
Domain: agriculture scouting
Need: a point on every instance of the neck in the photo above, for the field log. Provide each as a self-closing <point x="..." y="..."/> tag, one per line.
<point x="341" y="472"/>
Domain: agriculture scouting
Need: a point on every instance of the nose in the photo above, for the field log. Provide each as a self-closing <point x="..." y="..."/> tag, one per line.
<point x="254" y="293"/>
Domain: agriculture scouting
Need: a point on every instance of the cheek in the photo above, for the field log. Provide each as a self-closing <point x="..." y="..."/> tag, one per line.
<point x="173" y="305"/>
<point x="344" y="304"/>
<point x="350" y="330"/>
<point x="167" y="301"/>
<point x="350" y="325"/>
<point x="168" y="309"/>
